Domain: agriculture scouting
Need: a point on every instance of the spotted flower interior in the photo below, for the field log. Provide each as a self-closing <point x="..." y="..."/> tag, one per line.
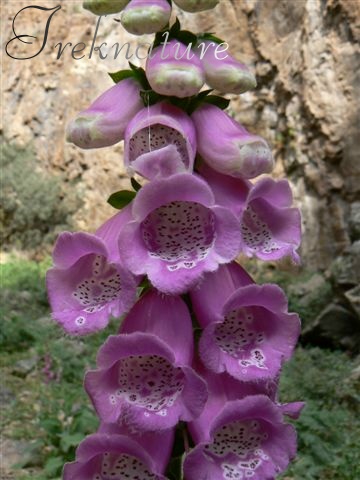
<point x="149" y="382"/>
<point x="238" y="448"/>
<point x="241" y="334"/>
<point x="157" y="137"/>
<point x="179" y="233"/>
<point x="118" y="467"/>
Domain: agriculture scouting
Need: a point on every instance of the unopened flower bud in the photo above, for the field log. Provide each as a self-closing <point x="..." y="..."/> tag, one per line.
<point x="105" y="121"/>
<point x="222" y="71"/>
<point x="144" y="16"/>
<point x="227" y="147"/>
<point x="173" y="69"/>
<point x="104" y="7"/>
<point x="196" y="5"/>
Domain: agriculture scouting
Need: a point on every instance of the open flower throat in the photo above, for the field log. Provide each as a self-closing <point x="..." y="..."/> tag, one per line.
<point x="180" y="233"/>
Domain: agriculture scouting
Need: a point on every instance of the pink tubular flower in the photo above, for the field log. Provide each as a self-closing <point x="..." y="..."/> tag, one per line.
<point x="241" y="439"/>
<point x="178" y="233"/>
<point x="222" y="71"/>
<point x="146" y="16"/>
<point x="227" y="147"/>
<point x="270" y="227"/>
<point x="251" y="333"/>
<point x="144" y="378"/>
<point x="116" y="454"/>
<point x="104" y="122"/>
<point x="104" y="7"/>
<point x="160" y="141"/>
<point x="196" y="5"/>
<point x="88" y="282"/>
<point x="173" y="69"/>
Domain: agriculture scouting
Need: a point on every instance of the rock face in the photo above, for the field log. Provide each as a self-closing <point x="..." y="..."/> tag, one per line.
<point x="306" y="57"/>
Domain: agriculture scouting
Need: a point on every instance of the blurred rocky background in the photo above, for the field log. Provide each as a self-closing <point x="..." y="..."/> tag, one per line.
<point x="306" y="56"/>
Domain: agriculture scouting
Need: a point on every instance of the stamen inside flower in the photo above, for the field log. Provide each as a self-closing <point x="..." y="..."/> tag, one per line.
<point x="118" y="467"/>
<point x="100" y="285"/>
<point x="149" y="381"/>
<point x="256" y="232"/>
<point x="239" y="336"/>
<point x="237" y="448"/>
<point x="155" y="137"/>
<point x="181" y="233"/>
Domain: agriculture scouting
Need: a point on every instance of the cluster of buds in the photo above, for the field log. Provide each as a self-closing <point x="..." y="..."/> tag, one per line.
<point x="200" y="347"/>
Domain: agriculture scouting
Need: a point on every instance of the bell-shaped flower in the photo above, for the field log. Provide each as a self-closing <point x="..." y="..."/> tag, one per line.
<point x="173" y="69"/>
<point x="146" y="16"/>
<point x="104" y="7"/>
<point x="252" y="333"/>
<point x="88" y="282"/>
<point x="270" y="226"/>
<point x="178" y="233"/>
<point x="105" y="121"/>
<point x="160" y="141"/>
<point x="222" y="71"/>
<point x="196" y="5"/>
<point x="227" y="147"/>
<point x="240" y="439"/>
<point x="144" y="378"/>
<point x="115" y="453"/>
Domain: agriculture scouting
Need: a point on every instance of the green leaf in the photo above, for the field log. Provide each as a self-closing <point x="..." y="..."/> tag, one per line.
<point x="69" y="440"/>
<point x="220" y="102"/>
<point x="136" y="185"/>
<point x="120" y="199"/>
<point x="121" y="75"/>
<point x="53" y="466"/>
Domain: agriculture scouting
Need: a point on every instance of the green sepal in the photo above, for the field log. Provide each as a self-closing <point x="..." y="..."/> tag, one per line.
<point x="140" y="75"/>
<point x="149" y="97"/>
<point x="136" y="185"/>
<point x="120" y="199"/>
<point x="175" y="29"/>
<point x="220" y="102"/>
<point x="187" y="37"/>
<point x="211" y="37"/>
<point x="116" y="77"/>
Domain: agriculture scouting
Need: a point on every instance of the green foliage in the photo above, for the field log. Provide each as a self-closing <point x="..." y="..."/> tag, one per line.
<point x="33" y="205"/>
<point x="329" y="427"/>
<point x="54" y="414"/>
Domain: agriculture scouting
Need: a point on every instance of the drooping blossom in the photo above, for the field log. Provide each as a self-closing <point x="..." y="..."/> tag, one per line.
<point x="248" y="331"/>
<point x="104" y="122"/>
<point x="222" y="71"/>
<point x="159" y="141"/>
<point x="144" y="378"/>
<point x="173" y="69"/>
<point x="227" y="147"/>
<point x="105" y="7"/>
<point x="270" y="226"/>
<point x="196" y="5"/>
<point x="114" y="452"/>
<point x="145" y="16"/>
<point x="88" y="283"/>
<point x="245" y="438"/>
<point x="178" y="233"/>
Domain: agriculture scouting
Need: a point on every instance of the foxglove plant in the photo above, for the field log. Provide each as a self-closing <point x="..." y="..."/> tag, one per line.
<point x="167" y="262"/>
